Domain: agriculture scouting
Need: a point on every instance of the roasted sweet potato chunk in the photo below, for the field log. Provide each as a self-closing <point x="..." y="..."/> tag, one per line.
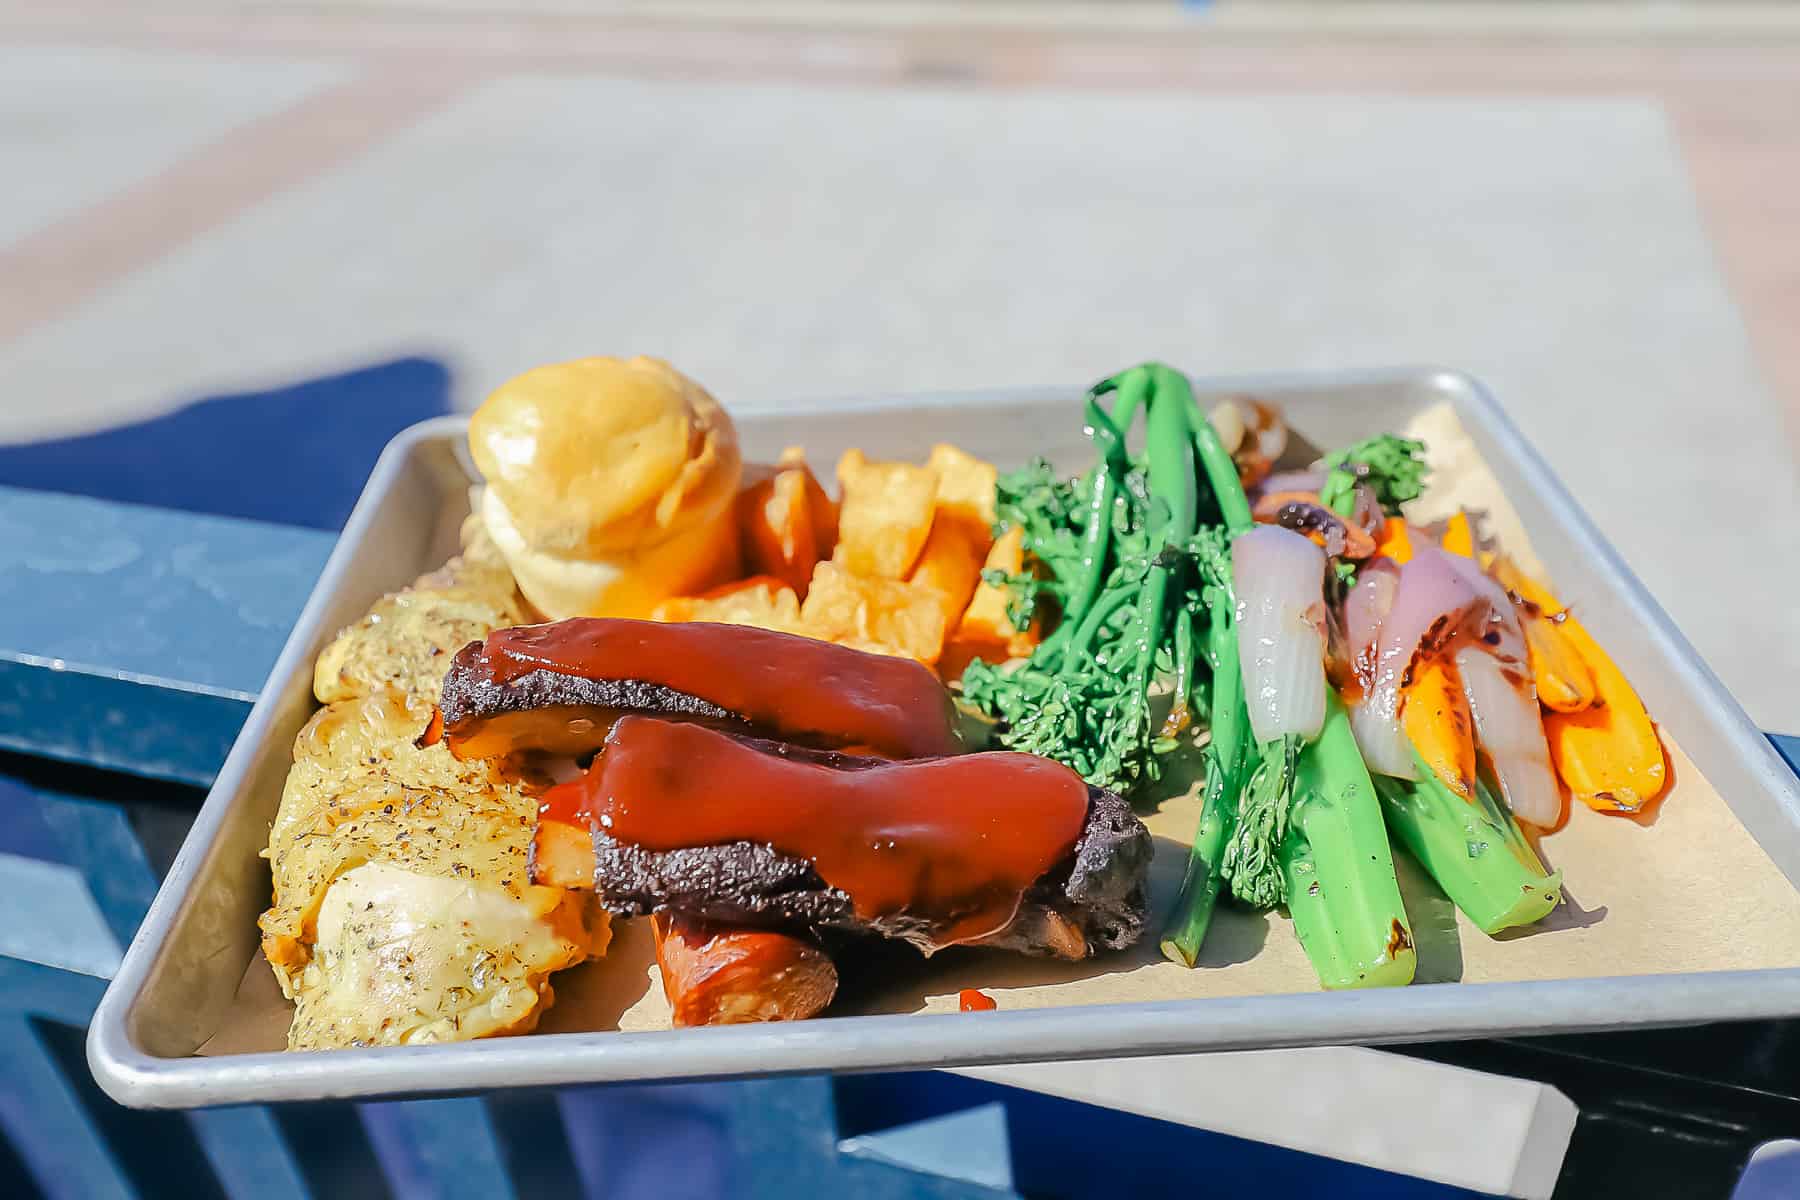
<point x="787" y="522"/>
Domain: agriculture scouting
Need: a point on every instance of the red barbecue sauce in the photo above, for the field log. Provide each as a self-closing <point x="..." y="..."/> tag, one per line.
<point x="973" y="1000"/>
<point x="796" y="687"/>
<point x="952" y="842"/>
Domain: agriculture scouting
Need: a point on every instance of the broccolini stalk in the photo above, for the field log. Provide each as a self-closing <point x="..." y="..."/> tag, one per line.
<point x="1181" y="708"/>
<point x="1114" y="463"/>
<point x="1475" y="851"/>
<point x="1173" y="503"/>
<point x="1172" y="509"/>
<point x="1339" y="870"/>
<point x="1228" y="758"/>
<point x="1225" y="758"/>
<point x="1252" y="857"/>
<point x="1221" y="475"/>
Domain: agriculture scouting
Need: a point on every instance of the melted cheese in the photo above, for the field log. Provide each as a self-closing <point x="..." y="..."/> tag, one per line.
<point x="404" y="958"/>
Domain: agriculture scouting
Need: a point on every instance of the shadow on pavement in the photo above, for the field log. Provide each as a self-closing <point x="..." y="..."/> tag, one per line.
<point x="295" y="455"/>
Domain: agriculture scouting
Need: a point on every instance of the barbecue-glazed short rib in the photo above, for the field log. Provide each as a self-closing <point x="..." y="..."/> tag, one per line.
<point x="556" y="689"/>
<point x="739" y="781"/>
<point x="1095" y="901"/>
<point x="1089" y="897"/>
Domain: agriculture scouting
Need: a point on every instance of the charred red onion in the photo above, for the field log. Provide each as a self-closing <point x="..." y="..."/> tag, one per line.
<point x="1432" y="601"/>
<point x="1496" y="675"/>
<point x="1279" y="579"/>
<point x="1365" y="607"/>
<point x="1510" y="730"/>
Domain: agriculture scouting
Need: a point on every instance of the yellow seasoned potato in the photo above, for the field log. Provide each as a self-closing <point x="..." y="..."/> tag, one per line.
<point x="885" y="516"/>
<point x="763" y="601"/>
<point x="950" y="564"/>
<point x="961" y="532"/>
<point x="884" y="616"/>
<point x="398" y="871"/>
<point x="407" y="640"/>
<point x="965" y="486"/>
<point x="786" y="522"/>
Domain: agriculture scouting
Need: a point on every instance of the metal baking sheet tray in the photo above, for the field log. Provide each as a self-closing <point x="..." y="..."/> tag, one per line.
<point x="183" y="970"/>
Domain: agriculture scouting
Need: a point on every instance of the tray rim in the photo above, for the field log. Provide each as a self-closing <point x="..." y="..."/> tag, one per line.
<point x="1422" y="1012"/>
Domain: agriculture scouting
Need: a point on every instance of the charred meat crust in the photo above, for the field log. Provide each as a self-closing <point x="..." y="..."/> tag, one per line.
<point x="1106" y="883"/>
<point x="1095" y="901"/>
<point x="472" y="694"/>
<point x="740" y="883"/>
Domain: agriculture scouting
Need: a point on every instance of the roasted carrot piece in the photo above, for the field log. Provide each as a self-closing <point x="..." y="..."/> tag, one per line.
<point x="1459" y="535"/>
<point x="1608" y="753"/>
<point x="786" y="522"/>
<point x="1395" y="541"/>
<point x="1435" y="715"/>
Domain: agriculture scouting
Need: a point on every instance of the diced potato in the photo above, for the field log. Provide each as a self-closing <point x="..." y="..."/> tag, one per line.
<point x="764" y="602"/>
<point x="950" y="564"/>
<point x="787" y="522"/>
<point x="984" y="631"/>
<point x="965" y="486"/>
<point x="885" y="515"/>
<point x="886" y="616"/>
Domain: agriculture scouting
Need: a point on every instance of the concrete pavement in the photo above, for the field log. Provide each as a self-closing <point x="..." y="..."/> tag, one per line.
<point x="807" y="216"/>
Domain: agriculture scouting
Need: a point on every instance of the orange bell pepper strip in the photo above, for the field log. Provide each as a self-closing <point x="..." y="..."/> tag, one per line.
<point x="1395" y="541"/>
<point x="1565" y="682"/>
<point x="1459" y="535"/>
<point x="1608" y="753"/>
<point x="1435" y="715"/>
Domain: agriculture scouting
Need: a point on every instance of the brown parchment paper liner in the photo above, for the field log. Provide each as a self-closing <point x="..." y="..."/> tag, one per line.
<point x="1685" y="889"/>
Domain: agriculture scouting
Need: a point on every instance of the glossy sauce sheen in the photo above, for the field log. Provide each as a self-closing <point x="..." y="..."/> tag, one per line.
<point x="795" y="686"/>
<point x="950" y="842"/>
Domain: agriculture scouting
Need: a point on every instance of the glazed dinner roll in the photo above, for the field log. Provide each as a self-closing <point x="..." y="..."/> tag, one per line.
<point x="610" y="485"/>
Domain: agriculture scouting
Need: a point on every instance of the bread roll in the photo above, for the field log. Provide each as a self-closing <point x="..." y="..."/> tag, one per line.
<point x="609" y="485"/>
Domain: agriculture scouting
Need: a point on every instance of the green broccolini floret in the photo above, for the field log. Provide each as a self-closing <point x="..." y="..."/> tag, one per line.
<point x="1393" y="466"/>
<point x="1108" y="552"/>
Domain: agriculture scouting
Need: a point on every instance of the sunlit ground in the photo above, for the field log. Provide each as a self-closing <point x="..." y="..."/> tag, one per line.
<point x="1589" y="207"/>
